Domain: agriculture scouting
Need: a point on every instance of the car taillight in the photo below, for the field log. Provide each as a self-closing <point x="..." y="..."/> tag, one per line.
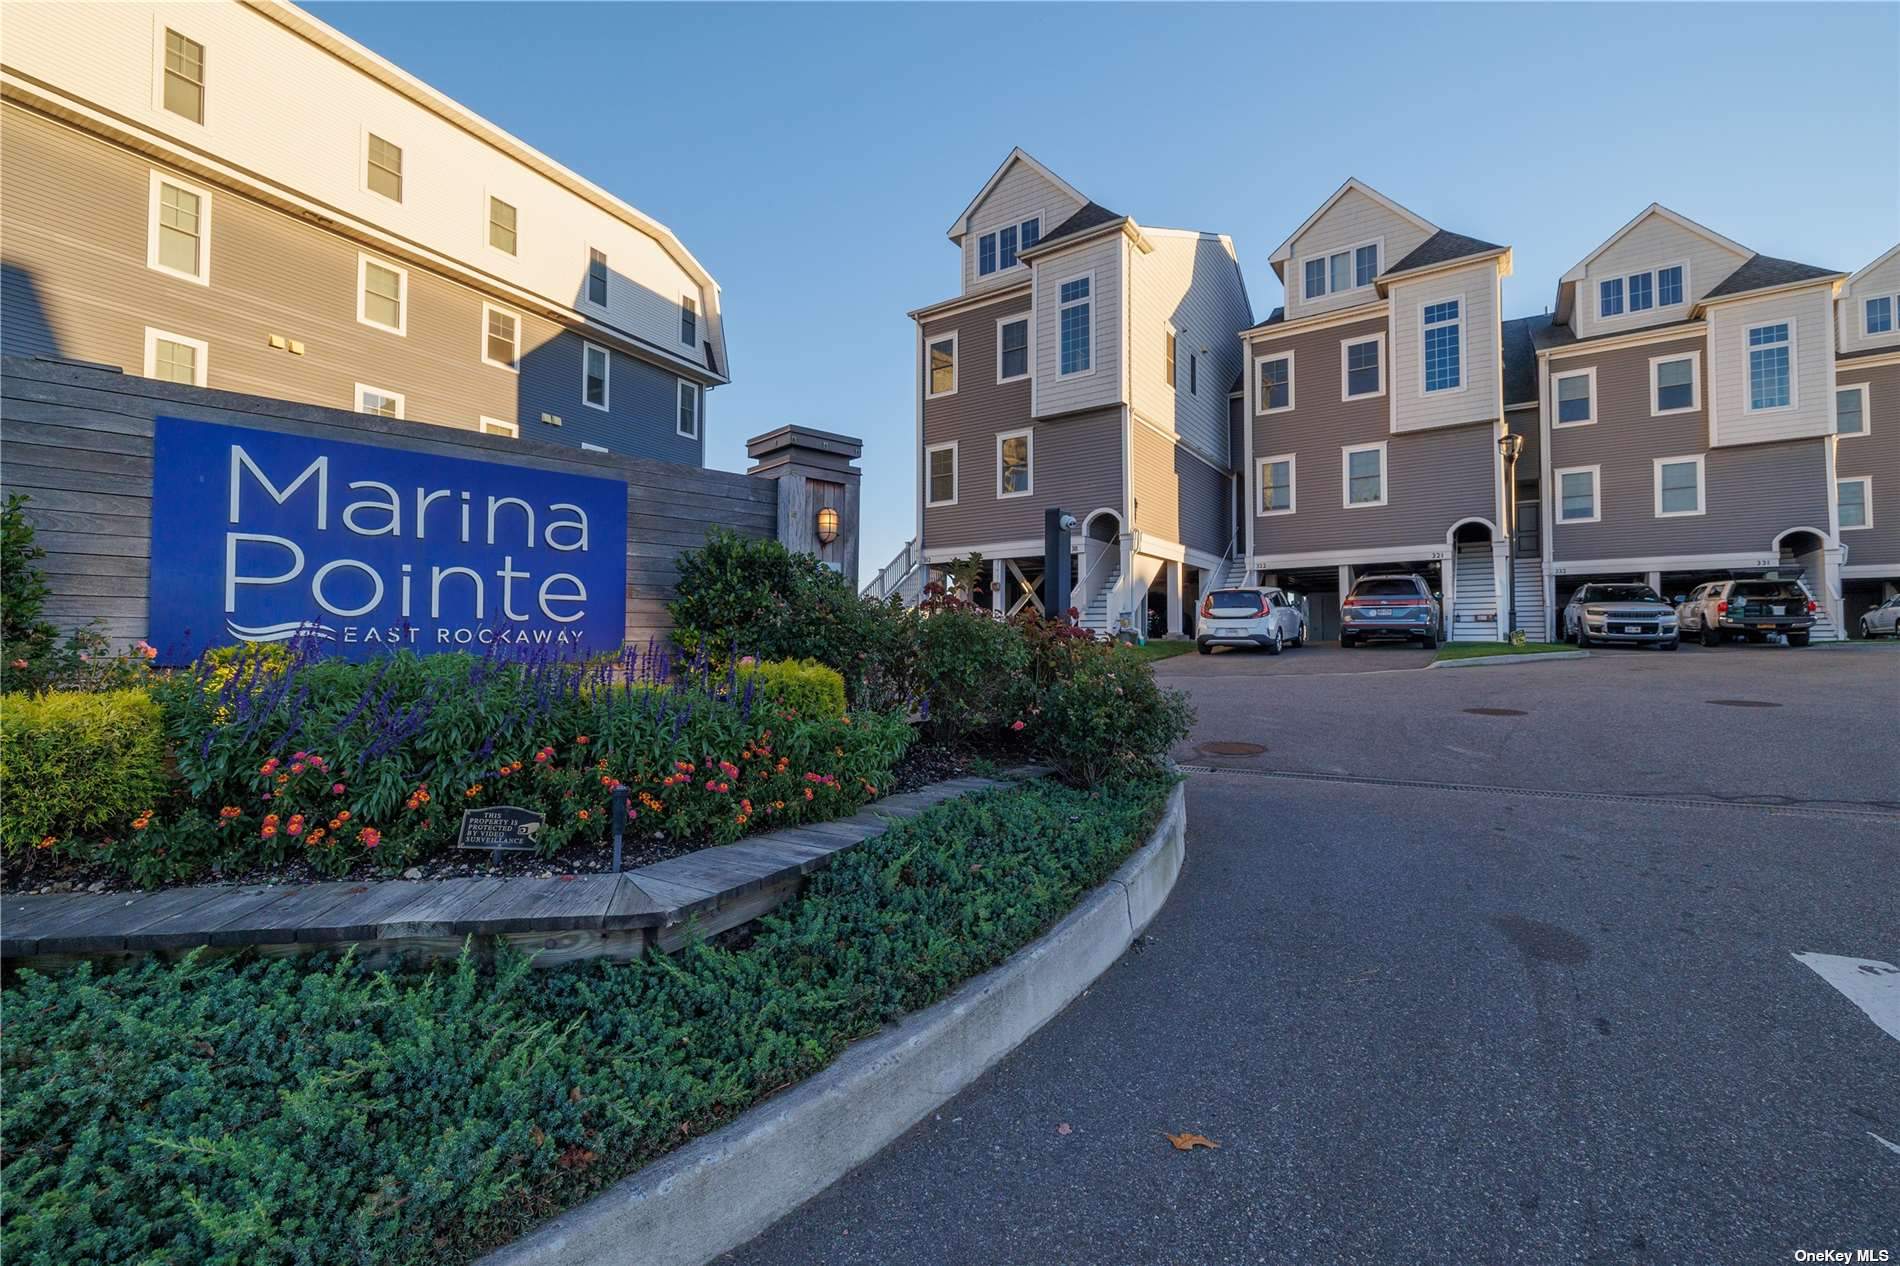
<point x="1207" y="605"/>
<point x="1812" y="607"/>
<point x="1721" y="608"/>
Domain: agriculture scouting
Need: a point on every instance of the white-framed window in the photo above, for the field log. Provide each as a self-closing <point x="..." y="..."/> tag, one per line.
<point x="1575" y="394"/>
<point x="940" y="474"/>
<point x="1168" y="354"/>
<point x="689" y="320"/>
<point x="1878" y="314"/>
<point x="499" y="426"/>
<point x="502" y="219"/>
<point x="501" y="338"/>
<point x="174" y="358"/>
<point x="1854" y="502"/>
<point x="382" y="166"/>
<point x="1015" y="459"/>
<point x="1672" y="285"/>
<point x="1074" y="324"/>
<point x="688" y="425"/>
<point x="379" y="400"/>
<point x="1362" y="367"/>
<point x="1276" y="383"/>
<point x="1770" y="367"/>
<point x="1341" y="271"/>
<point x="1610" y="297"/>
<point x="382" y="294"/>
<point x="1012" y="348"/>
<point x="1675" y="384"/>
<point x="1441" y="330"/>
<point x="1850" y="410"/>
<point x="597" y="277"/>
<point x="1679" y="487"/>
<point x="996" y="250"/>
<point x="178" y="230"/>
<point x="1274" y="481"/>
<point x="1577" y="500"/>
<point x="1362" y="469"/>
<point x="596" y="375"/>
<point x="940" y="365"/>
<point x="182" y="76"/>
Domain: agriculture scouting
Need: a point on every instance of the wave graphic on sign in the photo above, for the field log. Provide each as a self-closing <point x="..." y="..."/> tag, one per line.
<point x="279" y="632"/>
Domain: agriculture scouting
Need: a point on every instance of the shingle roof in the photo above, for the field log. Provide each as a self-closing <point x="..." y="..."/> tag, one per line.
<point x="1441" y="248"/>
<point x="1092" y="216"/>
<point x="1551" y="336"/>
<point x="1277" y="317"/>
<point x="1520" y="358"/>
<point x="1867" y="351"/>
<point x="1763" y="271"/>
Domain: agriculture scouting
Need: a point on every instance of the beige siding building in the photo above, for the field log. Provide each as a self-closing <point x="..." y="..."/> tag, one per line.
<point x="239" y="196"/>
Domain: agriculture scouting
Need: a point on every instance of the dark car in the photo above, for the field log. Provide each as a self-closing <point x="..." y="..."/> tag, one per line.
<point x="1401" y="606"/>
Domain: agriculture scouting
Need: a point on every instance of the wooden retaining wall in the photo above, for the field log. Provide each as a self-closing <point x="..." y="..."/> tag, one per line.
<point x="77" y="440"/>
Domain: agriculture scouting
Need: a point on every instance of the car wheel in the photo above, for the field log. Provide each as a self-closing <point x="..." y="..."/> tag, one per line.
<point x="1347" y="641"/>
<point x="1205" y="649"/>
<point x="1274" y="643"/>
<point x="1799" y="639"/>
<point x="1583" y="638"/>
<point x="1429" y="641"/>
<point x="1866" y="631"/>
<point x="1711" y="636"/>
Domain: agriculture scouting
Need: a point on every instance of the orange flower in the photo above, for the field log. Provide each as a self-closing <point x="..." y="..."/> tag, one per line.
<point x="585" y="816"/>
<point x="47" y="841"/>
<point x="473" y="791"/>
<point x="370" y="837"/>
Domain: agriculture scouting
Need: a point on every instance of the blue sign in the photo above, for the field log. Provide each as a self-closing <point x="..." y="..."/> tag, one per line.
<point x="259" y="536"/>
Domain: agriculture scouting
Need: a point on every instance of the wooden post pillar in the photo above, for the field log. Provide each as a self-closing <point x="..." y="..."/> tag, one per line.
<point x="814" y="470"/>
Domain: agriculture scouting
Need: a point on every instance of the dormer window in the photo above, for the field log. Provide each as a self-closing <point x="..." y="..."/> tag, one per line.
<point x="1351" y="269"/>
<point x="1877" y="317"/>
<point x="1640" y="292"/>
<point x="997" y="251"/>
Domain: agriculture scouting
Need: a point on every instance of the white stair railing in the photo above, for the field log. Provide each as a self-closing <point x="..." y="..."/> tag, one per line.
<point x="891" y="577"/>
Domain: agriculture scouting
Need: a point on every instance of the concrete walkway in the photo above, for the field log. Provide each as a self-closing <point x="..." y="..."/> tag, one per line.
<point x="1441" y="1026"/>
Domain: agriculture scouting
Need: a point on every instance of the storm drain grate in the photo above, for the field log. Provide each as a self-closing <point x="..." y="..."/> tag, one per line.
<point x="1743" y="703"/>
<point x="1227" y="747"/>
<point x="1885" y="812"/>
<point x="1496" y="712"/>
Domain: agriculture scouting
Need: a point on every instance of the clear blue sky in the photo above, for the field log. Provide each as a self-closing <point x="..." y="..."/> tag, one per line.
<point x="813" y="155"/>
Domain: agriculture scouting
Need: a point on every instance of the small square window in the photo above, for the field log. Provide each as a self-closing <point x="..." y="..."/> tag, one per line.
<point x="1675" y="385"/>
<point x="1879" y="315"/>
<point x="499" y="426"/>
<point x="1577" y="495"/>
<point x="1276" y="384"/>
<point x="184" y="76"/>
<point x="1364" y="369"/>
<point x="1365" y="475"/>
<point x="1850" y="410"/>
<point x="1276" y="485"/>
<point x="381" y="293"/>
<point x="501" y="338"/>
<point x="175" y="358"/>
<point x="501" y="225"/>
<point x="1678" y="486"/>
<point x="384" y="173"/>
<point x="1575" y="399"/>
<point x="1852" y="499"/>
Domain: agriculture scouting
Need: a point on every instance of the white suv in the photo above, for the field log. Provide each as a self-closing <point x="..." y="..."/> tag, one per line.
<point x="1249" y="617"/>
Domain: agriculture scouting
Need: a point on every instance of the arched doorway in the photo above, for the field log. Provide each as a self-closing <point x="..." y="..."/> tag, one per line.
<point x="1473" y="599"/>
<point x="1808" y="548"/>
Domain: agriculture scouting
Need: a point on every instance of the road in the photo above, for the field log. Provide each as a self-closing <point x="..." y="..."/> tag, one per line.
<point x="1548" y="1013"/>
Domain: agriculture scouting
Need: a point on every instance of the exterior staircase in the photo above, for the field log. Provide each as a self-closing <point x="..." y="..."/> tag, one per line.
<point x="1233" y="573"/>
<point x="1475" y="613"/>
<point x="902" y="577"/>
<point x="1096" y="617"/>
<point x="1530" y="598"/>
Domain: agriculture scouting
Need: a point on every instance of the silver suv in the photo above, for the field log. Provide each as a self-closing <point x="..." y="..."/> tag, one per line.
<point x="1266" y="618"/>
<point x="1631" y="614"/>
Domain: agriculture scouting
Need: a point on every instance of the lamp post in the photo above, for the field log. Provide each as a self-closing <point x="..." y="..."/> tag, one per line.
<point x="1509" y="446"/>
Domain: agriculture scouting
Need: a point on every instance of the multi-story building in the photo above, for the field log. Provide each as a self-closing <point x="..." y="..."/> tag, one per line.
<point x="1084" y="364"/>
<point x="1374" y="405"/>
<point x="1867" y="436"/>
<point x="1687" y="420"/>
<point x="239" y="196"/>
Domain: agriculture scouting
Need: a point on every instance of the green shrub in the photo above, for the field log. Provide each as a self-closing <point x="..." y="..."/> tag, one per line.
<point x="1108" y="719"/>
<point x="748" y="596"/>
<point x="971" y="671"/>
<point x="804" y="687"/>
<point x="291" y="1111"/>
<point x="73" y="765"/>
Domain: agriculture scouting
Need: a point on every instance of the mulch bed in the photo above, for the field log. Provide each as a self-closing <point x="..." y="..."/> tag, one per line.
<point x="921" y="766"/>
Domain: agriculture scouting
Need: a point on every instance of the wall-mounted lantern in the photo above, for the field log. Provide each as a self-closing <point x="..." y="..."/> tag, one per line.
<point x="827" y="526"/>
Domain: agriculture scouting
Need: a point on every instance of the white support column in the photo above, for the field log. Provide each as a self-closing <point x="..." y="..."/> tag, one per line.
<point x="1448" y="589"/>
<point x="1122" y="602"/>
<point x="1654" y="580"/>
<point x="999" y="586"/>
<point x="1175" y="578"/>
<point x="1345" y="580"/>
<point x="1501" y="588"/>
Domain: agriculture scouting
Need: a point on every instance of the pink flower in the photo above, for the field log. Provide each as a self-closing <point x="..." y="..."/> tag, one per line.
<point x="19" y="663"/>
<point x="145" y="649"/>
<point x="370" y="836"/>
<point x="337" y="788"/>
<point x="1016" y="725"/>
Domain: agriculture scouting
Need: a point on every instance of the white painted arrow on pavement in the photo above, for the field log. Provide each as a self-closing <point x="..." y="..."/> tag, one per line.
<point x="1871" y="985"/>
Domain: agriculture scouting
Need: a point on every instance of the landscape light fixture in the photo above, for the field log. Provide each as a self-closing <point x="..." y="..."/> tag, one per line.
<point x="827" y="526"/>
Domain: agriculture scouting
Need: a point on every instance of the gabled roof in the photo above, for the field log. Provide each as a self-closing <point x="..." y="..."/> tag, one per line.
<point x="1017" y="155"/>
<point x="1764" y="272"/>
<point x="1655" y="208"/>
<point x="1887" y="255"/>
<point x="1441" y="247"/>
<point x="1520" y="358"/>
<point x="1093" y="215"/>
<point x="1276" y="317"/>
<point x="1285" y="250"/>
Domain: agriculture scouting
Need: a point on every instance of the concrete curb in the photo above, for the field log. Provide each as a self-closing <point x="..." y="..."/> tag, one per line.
<point x="718" y="1192"/>
<point x="1488" y="661"/>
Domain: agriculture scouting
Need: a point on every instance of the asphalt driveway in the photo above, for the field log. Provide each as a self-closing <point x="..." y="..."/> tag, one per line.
<point x="1449" y="985"/>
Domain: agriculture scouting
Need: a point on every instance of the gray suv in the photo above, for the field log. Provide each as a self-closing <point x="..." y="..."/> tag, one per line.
<point x="1630" y="614"/>
<point x="1402" y="606"/>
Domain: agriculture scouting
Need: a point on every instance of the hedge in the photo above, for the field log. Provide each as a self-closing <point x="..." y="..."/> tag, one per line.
<point x="75" y="763"/>
<point x="315" y="1111"/>
<point x="803" y="687"/>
